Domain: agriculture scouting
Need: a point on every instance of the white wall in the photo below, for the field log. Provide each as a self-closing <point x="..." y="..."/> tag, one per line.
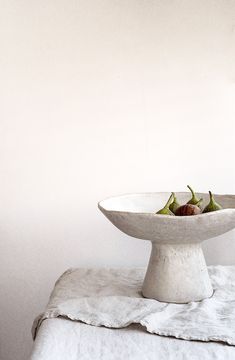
<point x="98" y="98"/>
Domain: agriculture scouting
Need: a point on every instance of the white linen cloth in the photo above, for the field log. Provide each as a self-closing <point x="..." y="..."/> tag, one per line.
<point x="112" y="298"/>
<point x="62" y="339"/>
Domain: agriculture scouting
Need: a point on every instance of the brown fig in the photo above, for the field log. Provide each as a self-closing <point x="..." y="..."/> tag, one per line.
<point x="188" y="210"/>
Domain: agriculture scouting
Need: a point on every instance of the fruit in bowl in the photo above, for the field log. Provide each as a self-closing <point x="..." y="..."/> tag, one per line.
<point x="192" y="207"/>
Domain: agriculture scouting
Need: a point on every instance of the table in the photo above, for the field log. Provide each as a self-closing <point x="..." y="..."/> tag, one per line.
<point x="63" y="339"/>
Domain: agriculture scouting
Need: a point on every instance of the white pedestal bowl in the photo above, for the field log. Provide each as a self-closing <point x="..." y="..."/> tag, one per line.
<point x="177" y="269"/>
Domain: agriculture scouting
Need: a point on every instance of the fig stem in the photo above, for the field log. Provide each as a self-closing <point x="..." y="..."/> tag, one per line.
<point x="211" y="196"/>
<point x="193" y="193"/>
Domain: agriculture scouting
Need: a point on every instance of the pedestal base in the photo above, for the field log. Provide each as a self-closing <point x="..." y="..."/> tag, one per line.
<point x="177" y="273"/>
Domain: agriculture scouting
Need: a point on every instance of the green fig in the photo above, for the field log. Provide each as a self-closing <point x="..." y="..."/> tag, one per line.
<point x="199" y="203"/>
<point x="165" y="210"/>
<point x="194" y="200"/>
<point x="213" y="205"/>
<point x="174" y="205"/>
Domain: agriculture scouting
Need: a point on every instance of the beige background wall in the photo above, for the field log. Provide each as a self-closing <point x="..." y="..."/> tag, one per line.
<point x="99" y="98"/>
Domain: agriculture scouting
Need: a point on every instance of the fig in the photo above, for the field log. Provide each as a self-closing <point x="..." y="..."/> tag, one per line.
<point x="188" y="210"/>
<point x="194" y="200"/>
<point x="165" y="210"/>
<point x="174" y="205"/>
<point x="213" y="205"/>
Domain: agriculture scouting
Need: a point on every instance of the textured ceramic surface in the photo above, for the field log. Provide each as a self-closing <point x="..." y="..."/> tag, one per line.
<point x="177" y="270"/>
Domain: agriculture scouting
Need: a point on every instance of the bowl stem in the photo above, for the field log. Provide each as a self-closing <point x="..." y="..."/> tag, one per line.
<point x="177" y="273"/>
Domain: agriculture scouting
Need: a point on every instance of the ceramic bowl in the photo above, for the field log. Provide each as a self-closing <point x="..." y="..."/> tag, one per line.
<point x="177" y="270"/>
